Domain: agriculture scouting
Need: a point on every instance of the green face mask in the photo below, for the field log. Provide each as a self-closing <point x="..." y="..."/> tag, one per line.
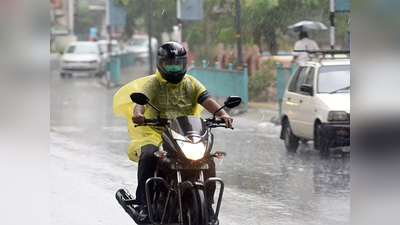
<point x="173" y="68"/>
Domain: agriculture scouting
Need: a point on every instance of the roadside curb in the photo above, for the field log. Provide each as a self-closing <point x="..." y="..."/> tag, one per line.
<point x="264" y="105"/>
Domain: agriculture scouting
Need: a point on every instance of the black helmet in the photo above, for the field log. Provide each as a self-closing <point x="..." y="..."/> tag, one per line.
<point x="172" y="62"/>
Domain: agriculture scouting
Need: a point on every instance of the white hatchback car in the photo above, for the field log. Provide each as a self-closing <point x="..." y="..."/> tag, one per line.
<point x="82" y="57"/>
<point x="316" y="105"/>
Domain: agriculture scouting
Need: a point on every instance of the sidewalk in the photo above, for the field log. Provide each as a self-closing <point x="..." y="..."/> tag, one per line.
<point x="274" y="106"/>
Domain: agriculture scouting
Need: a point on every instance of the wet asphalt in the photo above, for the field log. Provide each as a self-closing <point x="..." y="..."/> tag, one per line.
<point x="264" y="183"/>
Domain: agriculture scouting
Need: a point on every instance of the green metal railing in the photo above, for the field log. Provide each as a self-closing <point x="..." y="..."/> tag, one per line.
<point x="116" y="63"/>
<point x="127" y="60"/>
<point x="283" y="75"/>
<point x="222" y="82"/>
<point x="114" y="67"/>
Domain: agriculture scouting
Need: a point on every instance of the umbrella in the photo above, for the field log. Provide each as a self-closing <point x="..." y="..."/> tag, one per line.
<point x="304" y="26"/>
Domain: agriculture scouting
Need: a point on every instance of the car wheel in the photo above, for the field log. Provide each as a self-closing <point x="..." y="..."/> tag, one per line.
<point x="291" y="141"/>
<point x="99" y="74"/>
<point x="321" y="144"/>
<point x="70" y="75"/>
<point x="62" y="75"/>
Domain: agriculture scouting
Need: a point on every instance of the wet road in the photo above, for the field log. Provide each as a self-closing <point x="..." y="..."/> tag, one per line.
<point x="264" y="183"/>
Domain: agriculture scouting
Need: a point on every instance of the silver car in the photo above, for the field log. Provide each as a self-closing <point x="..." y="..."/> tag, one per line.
<point x="116" y="48"/>
<point x="139" y="46"/>
<point x="82" y="57"/>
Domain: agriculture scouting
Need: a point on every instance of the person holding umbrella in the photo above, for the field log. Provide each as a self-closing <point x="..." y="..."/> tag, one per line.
<point x="303" y="44"/>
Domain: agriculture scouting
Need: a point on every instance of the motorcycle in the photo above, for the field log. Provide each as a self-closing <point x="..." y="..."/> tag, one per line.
<point x="176" y="193"/>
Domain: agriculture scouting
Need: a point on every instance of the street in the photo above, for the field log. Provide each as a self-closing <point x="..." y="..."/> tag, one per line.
<point x="263" y="183"/>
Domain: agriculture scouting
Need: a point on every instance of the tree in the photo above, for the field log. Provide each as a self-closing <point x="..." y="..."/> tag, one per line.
<point x="83" y="20"/>
<point x="163" y="16"/>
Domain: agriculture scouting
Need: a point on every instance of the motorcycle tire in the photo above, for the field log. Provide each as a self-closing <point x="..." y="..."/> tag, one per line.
<point x="194" y="207"/>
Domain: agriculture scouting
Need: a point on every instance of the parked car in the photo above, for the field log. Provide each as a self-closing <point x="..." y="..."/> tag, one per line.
<point x="82" y="57"/>
<point x="116" y="48"/>
<point x="139" y="45"/>
<point x="316" y="105"/>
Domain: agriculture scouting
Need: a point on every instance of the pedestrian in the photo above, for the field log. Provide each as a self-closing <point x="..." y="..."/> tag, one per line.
<point x="93" y="33"/>
<point x="174" y="93"/>
<point x="303" y="44"/>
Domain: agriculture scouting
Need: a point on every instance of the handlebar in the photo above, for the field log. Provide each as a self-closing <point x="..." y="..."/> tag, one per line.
<point x="154" y="122"/>
<point x="211" y="122"/>
<point x="219" y="121"/>
<point x="216" y="123"/>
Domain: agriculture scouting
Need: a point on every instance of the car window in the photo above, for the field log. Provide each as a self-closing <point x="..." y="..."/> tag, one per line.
<point x="310" y="77"/>
<point x="332" y="78"/>
<point x="301" y="79"/>
<point x="292" y="84"/>
<point x="83" y="49"/>
<point x="137" y="41"/>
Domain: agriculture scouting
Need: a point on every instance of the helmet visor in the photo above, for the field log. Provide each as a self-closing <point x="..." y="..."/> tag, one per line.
<point x="176" y="64"/>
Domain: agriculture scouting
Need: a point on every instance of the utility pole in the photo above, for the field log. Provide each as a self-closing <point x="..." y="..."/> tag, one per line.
<point x="71" y="13"/>
<point x="149" y="31"/>
<point x="239" y="34"/>
<point x="332" y="20"/>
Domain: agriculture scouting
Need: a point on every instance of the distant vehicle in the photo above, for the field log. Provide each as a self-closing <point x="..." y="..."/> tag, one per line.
<point x="82" y="57"/>
<point x="139" y="45"/>
<point x="116" y="48"/>
<point x="316" y="105"/>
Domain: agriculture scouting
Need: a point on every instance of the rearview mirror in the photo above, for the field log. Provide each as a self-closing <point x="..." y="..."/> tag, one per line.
<point x="232" y="101"/>
<point x="307" y="88"/>
<point x="140" y="98"/>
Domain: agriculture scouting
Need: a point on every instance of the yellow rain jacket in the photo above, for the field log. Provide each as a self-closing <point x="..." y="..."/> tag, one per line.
<point x="172" y="100"/>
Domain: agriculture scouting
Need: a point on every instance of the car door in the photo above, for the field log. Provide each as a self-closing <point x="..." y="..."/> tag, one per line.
<point x="307" y="106"/>
<point x="292" y="100"/>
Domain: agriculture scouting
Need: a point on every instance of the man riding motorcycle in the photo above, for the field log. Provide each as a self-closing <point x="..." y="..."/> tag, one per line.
<point x="174" y="93"/>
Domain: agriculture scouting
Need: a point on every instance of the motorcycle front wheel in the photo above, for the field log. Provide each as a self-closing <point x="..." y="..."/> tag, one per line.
<point x="194" y="207"/>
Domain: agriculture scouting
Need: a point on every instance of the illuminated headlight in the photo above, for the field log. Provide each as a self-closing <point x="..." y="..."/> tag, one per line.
<point x="338" y="116"/>
<point x="192" y="151"/>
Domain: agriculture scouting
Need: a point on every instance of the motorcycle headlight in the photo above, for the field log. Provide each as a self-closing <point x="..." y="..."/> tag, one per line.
<point x="338" y="116"/>
<point x="192" y="151"/>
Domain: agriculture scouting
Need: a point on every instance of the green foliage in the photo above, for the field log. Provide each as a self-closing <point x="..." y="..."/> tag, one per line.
<point x="123" y="2"/>
<point x="260" y="80"/>
<point x="57" y="50"/>
<point x="163" y="15"/>
<point x="227" y="36"/>
<point x="83" y="20"/>
<point x="194" y="33"/>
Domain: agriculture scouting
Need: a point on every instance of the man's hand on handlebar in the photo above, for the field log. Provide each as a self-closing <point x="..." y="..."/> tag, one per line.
<point x="228" y="120"/>
<point x="138" y="118"/>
